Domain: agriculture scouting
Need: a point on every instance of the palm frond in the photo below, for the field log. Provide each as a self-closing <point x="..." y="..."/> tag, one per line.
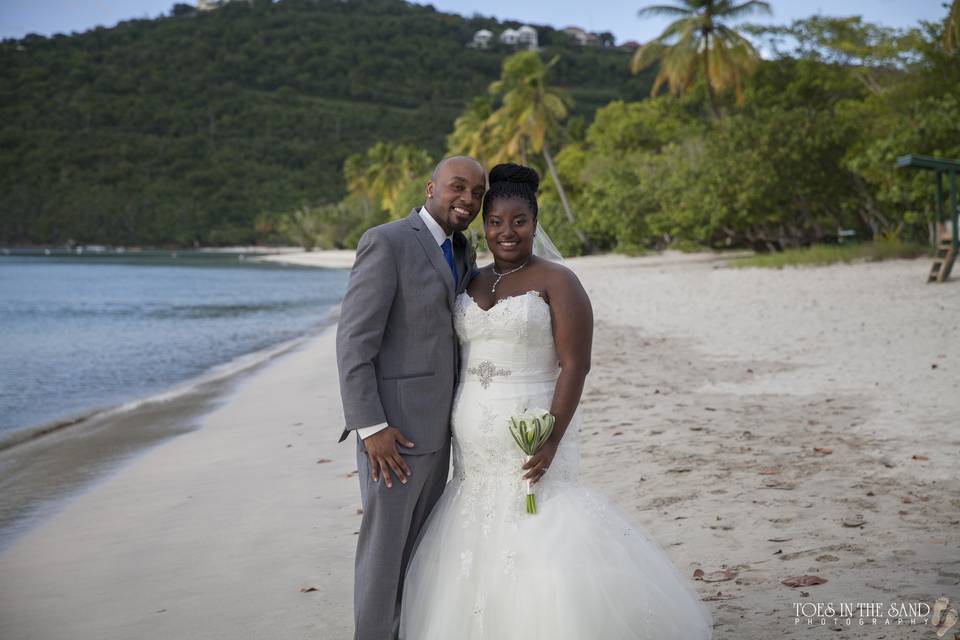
<point x="729" y="63"/>
<point x="646" y="55"/>
<point x="680" y="28"/>
<point x="732" y="12"/>
<point x="678" y="66"/>
<point x="555" y="106"/>
<point x="664" y="10"/>
<point x="951" y="29"/>
<point x="733" y="39"/>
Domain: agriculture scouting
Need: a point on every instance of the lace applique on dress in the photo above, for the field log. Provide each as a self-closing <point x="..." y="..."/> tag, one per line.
<point x="466" y="564"/>
<point x="509" y="562"/>
<point x="519" y="319"/>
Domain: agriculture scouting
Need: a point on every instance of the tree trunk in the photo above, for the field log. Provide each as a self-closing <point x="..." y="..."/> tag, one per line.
<point x="706" y="74"/>
<point x="563" y="199"/>
<point x="870" y="82"/>
<point x="869" y="213"/>
<point x="523" y="153"/>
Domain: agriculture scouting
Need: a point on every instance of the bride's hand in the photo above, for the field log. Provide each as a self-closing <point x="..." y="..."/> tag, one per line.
<point x="540" y="462"/>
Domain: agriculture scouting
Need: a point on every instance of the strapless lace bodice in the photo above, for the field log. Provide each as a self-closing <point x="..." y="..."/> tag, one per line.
<point x="510" y="341"/>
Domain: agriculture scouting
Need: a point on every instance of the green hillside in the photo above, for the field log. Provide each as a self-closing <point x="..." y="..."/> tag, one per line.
<point x="182" y="130"/>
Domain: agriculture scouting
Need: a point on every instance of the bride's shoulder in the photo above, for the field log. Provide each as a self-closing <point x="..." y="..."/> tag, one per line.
<point x="559" y="283"/>
<point x="554" y="273"/>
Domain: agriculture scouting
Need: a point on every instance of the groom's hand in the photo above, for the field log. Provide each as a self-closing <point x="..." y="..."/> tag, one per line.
<point x="383" y="455"/>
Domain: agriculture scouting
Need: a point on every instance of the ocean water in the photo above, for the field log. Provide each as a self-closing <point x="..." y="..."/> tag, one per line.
<point x="80" y="334"/>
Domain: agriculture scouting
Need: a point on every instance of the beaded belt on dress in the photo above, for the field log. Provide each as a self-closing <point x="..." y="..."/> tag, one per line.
<point x="489" y="372"/>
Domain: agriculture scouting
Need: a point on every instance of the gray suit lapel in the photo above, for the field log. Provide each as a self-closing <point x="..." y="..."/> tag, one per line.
<point x="433" y="251"/>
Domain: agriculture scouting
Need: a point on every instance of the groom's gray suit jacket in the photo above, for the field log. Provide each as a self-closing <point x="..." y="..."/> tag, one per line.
<point x="396" y="348"/>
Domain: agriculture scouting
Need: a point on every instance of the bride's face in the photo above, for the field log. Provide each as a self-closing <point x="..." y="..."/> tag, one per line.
<point x="509" y="229"/>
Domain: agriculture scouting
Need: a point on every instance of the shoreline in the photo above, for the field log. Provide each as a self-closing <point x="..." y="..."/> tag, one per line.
<point x="238" y="364"/>
<point x="43" y="466"/>
<point x="109" y="249"/>
<point x="327" y="258"/>
<point x="21" y="435"/>
<point x="343" y="259"/>
<point x="214" y="533"/>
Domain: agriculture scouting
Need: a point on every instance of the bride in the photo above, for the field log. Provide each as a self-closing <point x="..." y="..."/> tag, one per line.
<point x="578" y="568"/>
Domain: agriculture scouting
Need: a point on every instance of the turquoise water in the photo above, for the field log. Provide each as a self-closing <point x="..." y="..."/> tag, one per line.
<point x="79" y="334"/>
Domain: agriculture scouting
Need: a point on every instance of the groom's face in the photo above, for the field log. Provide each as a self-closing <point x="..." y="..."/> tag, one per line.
<point x="455" y="193"/>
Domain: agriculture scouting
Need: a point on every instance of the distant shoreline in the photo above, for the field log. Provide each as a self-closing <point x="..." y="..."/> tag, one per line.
<point x="330" y="259"/>
<point x="111" y="250"/>
<point x="280" y="256"/>
<point x="93" y="247"/>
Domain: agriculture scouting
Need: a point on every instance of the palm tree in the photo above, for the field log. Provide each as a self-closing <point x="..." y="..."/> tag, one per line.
<point x="951" y="29"/>
<point x="384" y="171"/>
<point x="696" y="43"/>
<point x="530" y="109"/>
<point x="472" y="133"/>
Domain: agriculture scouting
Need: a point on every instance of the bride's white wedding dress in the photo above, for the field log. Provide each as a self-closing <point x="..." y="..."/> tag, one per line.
<point x="485" y="569"/>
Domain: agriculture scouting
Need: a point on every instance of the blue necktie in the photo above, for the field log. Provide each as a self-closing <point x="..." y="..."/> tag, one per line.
<point x="448" y="254"/>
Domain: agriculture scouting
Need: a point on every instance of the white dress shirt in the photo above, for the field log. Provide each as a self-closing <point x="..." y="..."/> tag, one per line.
<point x="438" y="234"/>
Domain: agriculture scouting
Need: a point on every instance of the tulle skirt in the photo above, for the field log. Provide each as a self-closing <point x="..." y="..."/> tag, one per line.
<point x="578" y="569"/>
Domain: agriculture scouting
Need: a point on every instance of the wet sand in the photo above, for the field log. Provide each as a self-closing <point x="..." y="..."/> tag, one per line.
<point x="43" y="466"/>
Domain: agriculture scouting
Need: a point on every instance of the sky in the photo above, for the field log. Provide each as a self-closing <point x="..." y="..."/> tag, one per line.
<point x="46" y="17"/>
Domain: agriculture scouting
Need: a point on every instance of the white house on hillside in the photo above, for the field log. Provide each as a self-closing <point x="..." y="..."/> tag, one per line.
<point x="527" y="37"/>
<point x="481" y="39"/>
<point x="510" y="37"/>
<point x="581" y="36"/>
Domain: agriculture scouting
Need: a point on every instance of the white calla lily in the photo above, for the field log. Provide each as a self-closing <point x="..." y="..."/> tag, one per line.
<point x="530" y="430"/>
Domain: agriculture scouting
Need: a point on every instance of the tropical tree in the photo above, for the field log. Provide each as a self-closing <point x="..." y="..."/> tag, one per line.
<point x="698" y="42"/>
<point x="384" y="170"/>
<point x="951" y="29"/>
<point x="337" y="225"/>
<point x="301" y="226"/>
<point x="530" y="109"/>
<point x="873" y="54"/>
<point x="472" y="133"/>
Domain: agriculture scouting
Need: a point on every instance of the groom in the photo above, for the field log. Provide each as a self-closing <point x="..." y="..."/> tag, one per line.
<point x="398" y="361"/>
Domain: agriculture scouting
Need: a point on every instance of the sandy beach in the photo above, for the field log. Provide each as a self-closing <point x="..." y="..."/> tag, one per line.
<point x="761" y="424"/>
<point x="333" y="258"/>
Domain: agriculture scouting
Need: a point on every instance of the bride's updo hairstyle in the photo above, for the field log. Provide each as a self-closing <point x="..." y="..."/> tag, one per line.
<point x="511" y="180"/>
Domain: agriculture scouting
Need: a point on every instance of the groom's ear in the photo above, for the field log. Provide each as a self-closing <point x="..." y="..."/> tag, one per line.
<point x="429" y="190"/>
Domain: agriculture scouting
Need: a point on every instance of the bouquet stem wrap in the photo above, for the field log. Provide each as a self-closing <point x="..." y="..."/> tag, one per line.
<point x="531" y="499"/>
<point x="530" y="430"/>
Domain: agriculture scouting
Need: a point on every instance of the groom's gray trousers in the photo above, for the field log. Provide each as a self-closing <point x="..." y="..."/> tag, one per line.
<point x="392" y="523"/>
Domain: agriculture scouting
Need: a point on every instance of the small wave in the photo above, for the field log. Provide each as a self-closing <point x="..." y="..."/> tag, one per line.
<point x="214" y="374"/>
<point x="212" y="310"/>
<point x="231" y="310"/>
<point x="115" y="310"/>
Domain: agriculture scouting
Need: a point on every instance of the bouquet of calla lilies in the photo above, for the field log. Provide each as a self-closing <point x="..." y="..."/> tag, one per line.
<point x="530" y="430"/>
